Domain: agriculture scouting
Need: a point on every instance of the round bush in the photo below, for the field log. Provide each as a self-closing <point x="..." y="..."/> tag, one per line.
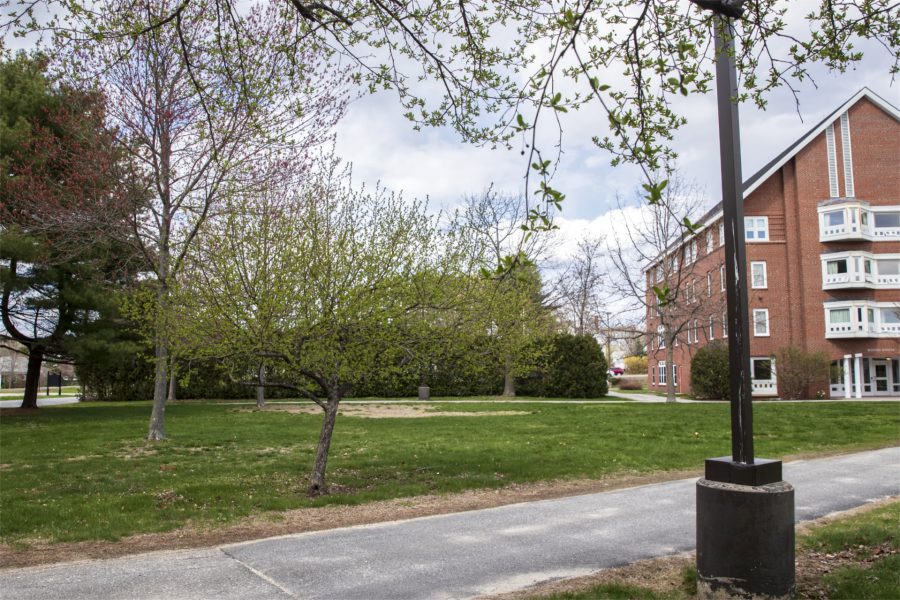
<point x="575" y="368"/>
<point x="709" y="372"/>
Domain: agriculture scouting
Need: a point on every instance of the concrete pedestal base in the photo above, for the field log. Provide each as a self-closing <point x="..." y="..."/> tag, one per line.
<point x="745" y="540"/>
<point x="424" y="392"/>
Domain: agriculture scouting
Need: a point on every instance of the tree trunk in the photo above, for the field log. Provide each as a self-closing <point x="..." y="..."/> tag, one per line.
<point x="157" y="430"/>
<point x="317" y="486"/>
<point x="261" y="388"/>
<point x="173" y="382"/>
<point x="32" y="377"/>
<point x="670" y="380"/>
<point x="509" y="380"/>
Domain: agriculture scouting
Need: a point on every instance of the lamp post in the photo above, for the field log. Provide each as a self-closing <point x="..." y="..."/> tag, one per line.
<point x="745" y="512"/>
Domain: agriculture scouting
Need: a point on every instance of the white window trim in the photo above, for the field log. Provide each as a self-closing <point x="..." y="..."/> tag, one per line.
<point x="712" y="328"/>
<point x="725" y="324"/>
<point x="709" y="241"/>
<point x="661" y="365"/>
<point x="722" y="278"/>
<point x="768" y="325"/>
<point x="721" y="233"/>
<point x="765" y="228"/>
<point x="709" y="284"/>
<point x="765" y="283"/>
<point x="772" y="375"/>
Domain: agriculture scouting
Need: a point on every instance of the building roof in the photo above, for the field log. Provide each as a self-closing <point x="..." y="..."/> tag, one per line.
<point x="779" y="161"/>
<point x="758" y="178"/>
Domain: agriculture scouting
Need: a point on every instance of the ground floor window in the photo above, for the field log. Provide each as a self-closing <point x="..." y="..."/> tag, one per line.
<point x="662" y="372"/>
<point x="761" y="368"/>
<point x="762" y="374"/>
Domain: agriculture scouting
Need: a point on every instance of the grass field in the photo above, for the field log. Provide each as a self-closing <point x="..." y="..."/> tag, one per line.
<point x="84" y="471"/>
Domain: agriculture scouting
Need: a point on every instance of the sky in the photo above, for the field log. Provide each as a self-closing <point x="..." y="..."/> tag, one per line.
<point x="383" y="146"/>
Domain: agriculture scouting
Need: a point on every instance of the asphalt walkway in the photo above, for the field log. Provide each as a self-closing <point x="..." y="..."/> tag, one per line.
<point x="462" y="555"/>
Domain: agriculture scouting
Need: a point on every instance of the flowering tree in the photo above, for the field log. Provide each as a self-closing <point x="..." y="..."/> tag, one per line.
<point x="320" y="280"/>
<point x="201" y="128"/>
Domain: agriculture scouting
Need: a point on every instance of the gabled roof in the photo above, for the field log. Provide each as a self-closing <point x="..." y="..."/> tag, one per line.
<point x="779" y="161"/>
<point x="757" y="179"/>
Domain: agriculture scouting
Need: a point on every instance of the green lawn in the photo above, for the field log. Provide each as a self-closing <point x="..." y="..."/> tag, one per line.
<point x="859" y="535"/>
<point x="84" y="472"/>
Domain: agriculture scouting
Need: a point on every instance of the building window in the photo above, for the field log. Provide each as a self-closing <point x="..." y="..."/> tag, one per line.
<point x="839" y="315"/>
<point x="722" y="233"/>
<point x="708" y="285"/>
<point x="761" y="369"/>
<point x="761" y="322"/>
<point x="758" y="278"/>
<point x="662" y="372"/>
<point x="836" y="267"/>
<point x="674" y="374"/>
<point x="725" y="324"/>
<point x="712" y="330"/>
<point x="660" y="338"/>
<point x="722" y="278"/>
<point x="756" y="228"/>
<point x="887" y="220"/>
<point x="659" y="274"/>
<point x="696" y="331"/>
<point x="887" y="266"/>
<point x="834" y="218"/>
<point x="709" y="241"/>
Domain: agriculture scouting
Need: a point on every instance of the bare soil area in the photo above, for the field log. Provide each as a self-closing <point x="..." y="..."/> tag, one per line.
<point x="384" y="411"/>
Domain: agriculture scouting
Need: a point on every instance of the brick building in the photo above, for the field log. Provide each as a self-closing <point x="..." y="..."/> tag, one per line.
<point x="823" y="260"/>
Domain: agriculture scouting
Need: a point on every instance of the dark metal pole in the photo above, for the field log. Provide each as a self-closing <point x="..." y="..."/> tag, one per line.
<point x="735" y="248"/>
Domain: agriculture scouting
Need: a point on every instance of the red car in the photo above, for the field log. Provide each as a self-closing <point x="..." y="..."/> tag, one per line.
<point x="616" y="371"/>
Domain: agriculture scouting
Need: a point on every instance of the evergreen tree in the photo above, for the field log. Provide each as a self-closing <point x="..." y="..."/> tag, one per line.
<point x="62" y="182"/>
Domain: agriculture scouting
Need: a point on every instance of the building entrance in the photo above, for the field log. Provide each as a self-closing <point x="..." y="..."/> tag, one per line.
<point x="881" y="377"/>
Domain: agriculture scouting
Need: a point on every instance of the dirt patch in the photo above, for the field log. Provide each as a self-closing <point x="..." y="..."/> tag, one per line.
<point x="384" y="411"/>
<point x="317" y="519"/>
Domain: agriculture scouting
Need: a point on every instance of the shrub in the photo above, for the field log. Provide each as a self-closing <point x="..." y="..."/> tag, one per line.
<point x="636" y="365"/>
<point x="709" y="372"/>
<point x="630" y="384"/>
<point x="575" y="368"/>
<point x="798" y="369"/>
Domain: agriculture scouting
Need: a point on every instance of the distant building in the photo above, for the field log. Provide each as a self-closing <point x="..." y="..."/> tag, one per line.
<point x="822" y="227"/>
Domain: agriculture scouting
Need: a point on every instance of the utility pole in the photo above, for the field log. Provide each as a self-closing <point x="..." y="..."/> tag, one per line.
<point x="745" y="512"/>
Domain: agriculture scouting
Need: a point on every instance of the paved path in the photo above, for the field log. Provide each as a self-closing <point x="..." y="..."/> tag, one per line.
<point x="461" y="555"/>
<point x="53" y="401"/>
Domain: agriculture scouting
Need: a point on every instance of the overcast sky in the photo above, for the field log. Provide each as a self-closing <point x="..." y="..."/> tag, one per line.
<point x="433" y="162"/>
<point x="383" y="146"/>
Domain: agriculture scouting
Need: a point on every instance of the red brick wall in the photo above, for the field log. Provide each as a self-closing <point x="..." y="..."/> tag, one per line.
<point x="790" y="198"/>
